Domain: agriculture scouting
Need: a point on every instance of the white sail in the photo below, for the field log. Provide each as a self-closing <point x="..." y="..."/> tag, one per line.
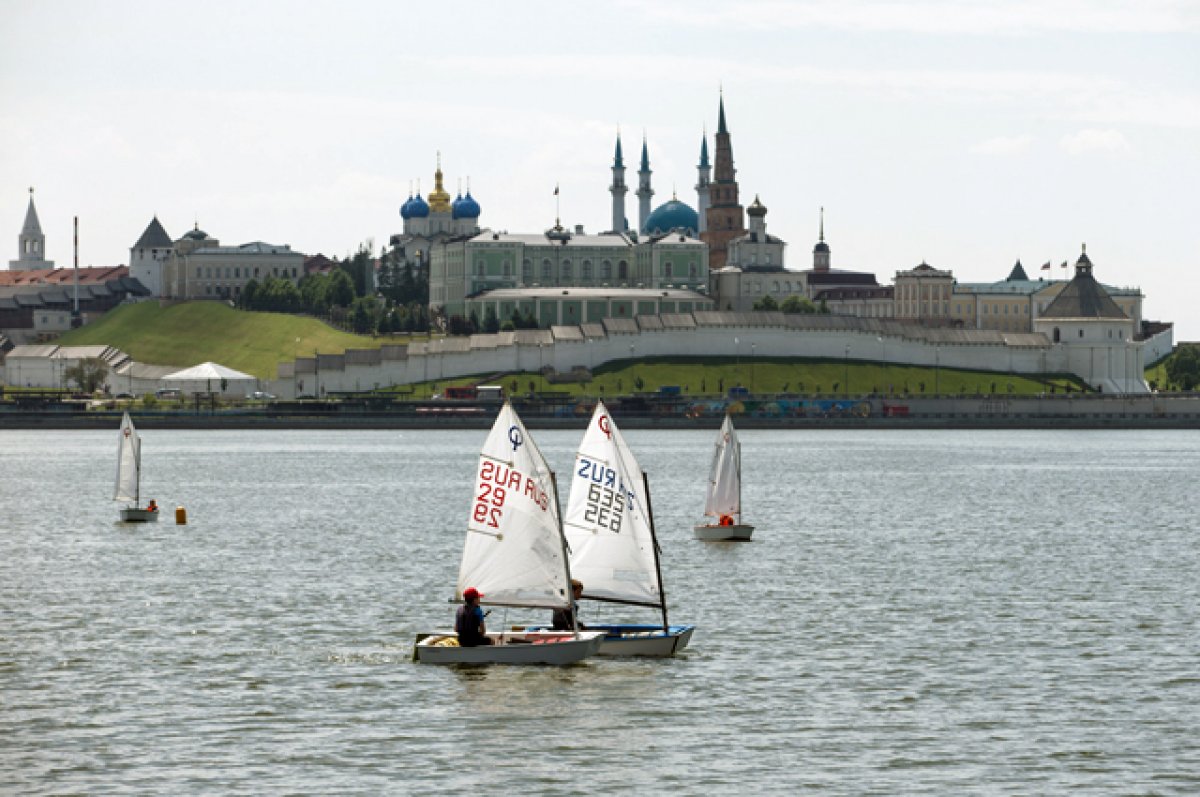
<point x="607" y="522"/>
<point x="725" y="478"/>
<point x="514" y="552"/>
<point x="129" y="460"/>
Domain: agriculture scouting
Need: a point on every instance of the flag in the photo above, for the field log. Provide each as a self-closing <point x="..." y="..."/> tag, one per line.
<point x="1064" y="264"/>
<point x="556" y="189"/>
<point x="1046" y="266"/>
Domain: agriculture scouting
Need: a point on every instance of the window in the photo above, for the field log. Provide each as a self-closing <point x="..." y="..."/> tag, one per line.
<point x="622" y="270"/>
<point x="1081" y="333"/>
<point x="198" y="274"/>
<point x="566" y="271"/>
<point x="547" y="270"/>
<point x="479" y="268"/>
<point x="506" y="266"/>
<point x="692" y="269"/>
<point x="527" y="270"/>
<point x="668" y="269"/>
<point x="606" y="270"/>
<point x="587" y="270"/>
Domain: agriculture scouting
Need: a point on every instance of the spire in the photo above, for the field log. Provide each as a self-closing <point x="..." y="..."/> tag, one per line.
<point x="704" y="151"/>
<point x="32" y="226"/>
<point x="645" y="155"/>
<point x="822" y="236"/>
<point x="618" y="160"/>
<point x="721" y="116"/>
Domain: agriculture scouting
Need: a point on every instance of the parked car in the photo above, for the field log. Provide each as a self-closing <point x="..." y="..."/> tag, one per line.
<point x="261" y="395"/>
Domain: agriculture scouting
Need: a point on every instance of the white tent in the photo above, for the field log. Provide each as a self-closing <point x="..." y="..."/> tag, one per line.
<point x="207" y="378"/>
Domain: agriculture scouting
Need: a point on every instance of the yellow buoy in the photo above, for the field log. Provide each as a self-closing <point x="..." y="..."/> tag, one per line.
<point x="180" y="516"/>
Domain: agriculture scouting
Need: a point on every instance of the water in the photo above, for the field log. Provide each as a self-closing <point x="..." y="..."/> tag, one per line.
<point x="920" y="613"/>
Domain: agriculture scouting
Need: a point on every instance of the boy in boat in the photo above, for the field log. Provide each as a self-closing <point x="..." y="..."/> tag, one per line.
<point x="468" y="623"/>
<point x="568" y="619"/>
<point x="152" y="506"/>
<point x="726" y="520"/>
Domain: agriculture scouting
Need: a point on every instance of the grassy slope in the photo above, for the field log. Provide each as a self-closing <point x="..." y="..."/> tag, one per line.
<point x="792" y="375"/>
<point x="195" y="332"/>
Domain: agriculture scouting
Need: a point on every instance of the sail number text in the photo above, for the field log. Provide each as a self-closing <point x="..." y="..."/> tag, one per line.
<point x="496" y="483"/>
<point x="604" y="507"/>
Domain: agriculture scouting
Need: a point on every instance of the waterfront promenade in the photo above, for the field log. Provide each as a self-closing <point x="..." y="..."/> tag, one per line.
<point x="1153" y="411"/>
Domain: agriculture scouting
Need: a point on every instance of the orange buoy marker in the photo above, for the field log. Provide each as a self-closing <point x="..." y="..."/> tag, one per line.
<point x="180" y="516"/>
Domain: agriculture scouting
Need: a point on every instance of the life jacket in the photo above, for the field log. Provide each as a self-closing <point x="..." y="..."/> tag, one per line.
<point x="466" y="625"/>
<point x="726" y="520"/>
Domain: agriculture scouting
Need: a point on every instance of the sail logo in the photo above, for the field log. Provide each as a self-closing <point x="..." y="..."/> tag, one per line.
<point x="514" y="437"/>
<point x="605" y="426"/>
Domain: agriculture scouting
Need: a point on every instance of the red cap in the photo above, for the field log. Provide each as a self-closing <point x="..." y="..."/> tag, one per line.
<point x="470" y="593"/>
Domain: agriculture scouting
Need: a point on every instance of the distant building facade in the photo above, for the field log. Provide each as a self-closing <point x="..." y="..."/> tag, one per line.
<point x="197" y="266"/>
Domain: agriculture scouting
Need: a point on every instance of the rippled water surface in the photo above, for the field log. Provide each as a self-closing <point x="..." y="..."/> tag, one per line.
<point x="919" y="613"/>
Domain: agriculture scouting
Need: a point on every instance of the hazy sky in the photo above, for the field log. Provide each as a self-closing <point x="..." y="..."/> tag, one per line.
<point x="964" y="134"/>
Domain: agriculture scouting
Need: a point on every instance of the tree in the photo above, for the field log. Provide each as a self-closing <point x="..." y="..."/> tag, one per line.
<point x="798" y="304"/>
<point x="341" y="288"/>
<point x="491" y="323"/>
<point x="1183" y="368"/>
<point x="766" y="303"/>
<point x="247" y="298"/>
<point x="88" y="373"/>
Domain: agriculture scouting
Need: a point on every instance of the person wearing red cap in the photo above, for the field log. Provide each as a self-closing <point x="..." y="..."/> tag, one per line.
<point x="468" y="623"/>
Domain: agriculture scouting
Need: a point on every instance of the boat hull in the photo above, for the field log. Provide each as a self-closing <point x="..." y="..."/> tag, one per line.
<point x="524" y="647"/>
<point x="133" y="515"/>
<point x="715" y="533"/>
<point x="638" y="640"/>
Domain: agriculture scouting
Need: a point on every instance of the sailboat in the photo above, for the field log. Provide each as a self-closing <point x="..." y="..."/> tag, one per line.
<point x="723" y="502"/>
<point x="515" y="555"/>
<point x="129" y="475"/>
<point x="610" y="528"/>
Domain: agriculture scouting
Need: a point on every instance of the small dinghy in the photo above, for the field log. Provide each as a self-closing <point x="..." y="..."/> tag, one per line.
<point x="724" y="498"/>
<point x="515" y="555"/>
<point x="610" y="529"/>
<point x="129" y="476"/>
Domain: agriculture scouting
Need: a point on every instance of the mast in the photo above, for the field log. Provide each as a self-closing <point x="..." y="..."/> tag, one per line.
<point x="662" y="594"/>
<point x="566" y="555"/>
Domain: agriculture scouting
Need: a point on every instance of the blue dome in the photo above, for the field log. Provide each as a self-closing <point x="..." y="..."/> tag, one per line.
<point x="418" y="208"/>
<point x="406" y="208"/>
<point x="670" y="216"/>
<point x="466" y="208"/>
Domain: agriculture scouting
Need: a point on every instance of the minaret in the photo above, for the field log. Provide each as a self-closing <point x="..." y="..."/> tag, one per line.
<point x="702" y="184"/>
<point x="644" y="191"/>
<point x="725" y="220"/>
<point x="821" y="250"/>
<point x="31" y="243"/>
<point x="618" y="189"/>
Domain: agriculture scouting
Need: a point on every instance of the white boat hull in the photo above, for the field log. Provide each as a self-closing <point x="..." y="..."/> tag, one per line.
<point x="524" y="647"/>
<point x="133" y="515"/>
<point x="712" y="532"/>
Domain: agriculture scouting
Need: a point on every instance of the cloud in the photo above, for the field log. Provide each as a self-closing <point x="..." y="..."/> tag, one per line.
<point x="1088" y="141"/>
<point x="1004" y="145"/>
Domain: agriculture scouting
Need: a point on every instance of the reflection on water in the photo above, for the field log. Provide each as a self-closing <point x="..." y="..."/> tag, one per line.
<point x="919" y="613"/>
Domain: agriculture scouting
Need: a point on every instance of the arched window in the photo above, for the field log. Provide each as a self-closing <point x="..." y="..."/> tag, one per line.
<point x="527" y="270"/>
<point x="547" y="270"/>
<point x="606" y="270"/>
<point x="1081" y="332"/>
<point x="622" y="270"/>
<point x="507" y="267"/>
<point x="587" y="271"/>
<point x="566" y="274"/>
<point x="668" y="269"/>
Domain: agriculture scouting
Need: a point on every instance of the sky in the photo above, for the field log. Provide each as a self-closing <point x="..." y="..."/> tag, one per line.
<point x="963" y="134"/>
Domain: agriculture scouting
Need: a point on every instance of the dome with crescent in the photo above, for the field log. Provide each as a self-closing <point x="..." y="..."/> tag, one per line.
<point x="669" y="216"/>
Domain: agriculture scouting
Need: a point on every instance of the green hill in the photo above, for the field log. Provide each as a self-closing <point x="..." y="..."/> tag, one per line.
<point x="195" y="332"/>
